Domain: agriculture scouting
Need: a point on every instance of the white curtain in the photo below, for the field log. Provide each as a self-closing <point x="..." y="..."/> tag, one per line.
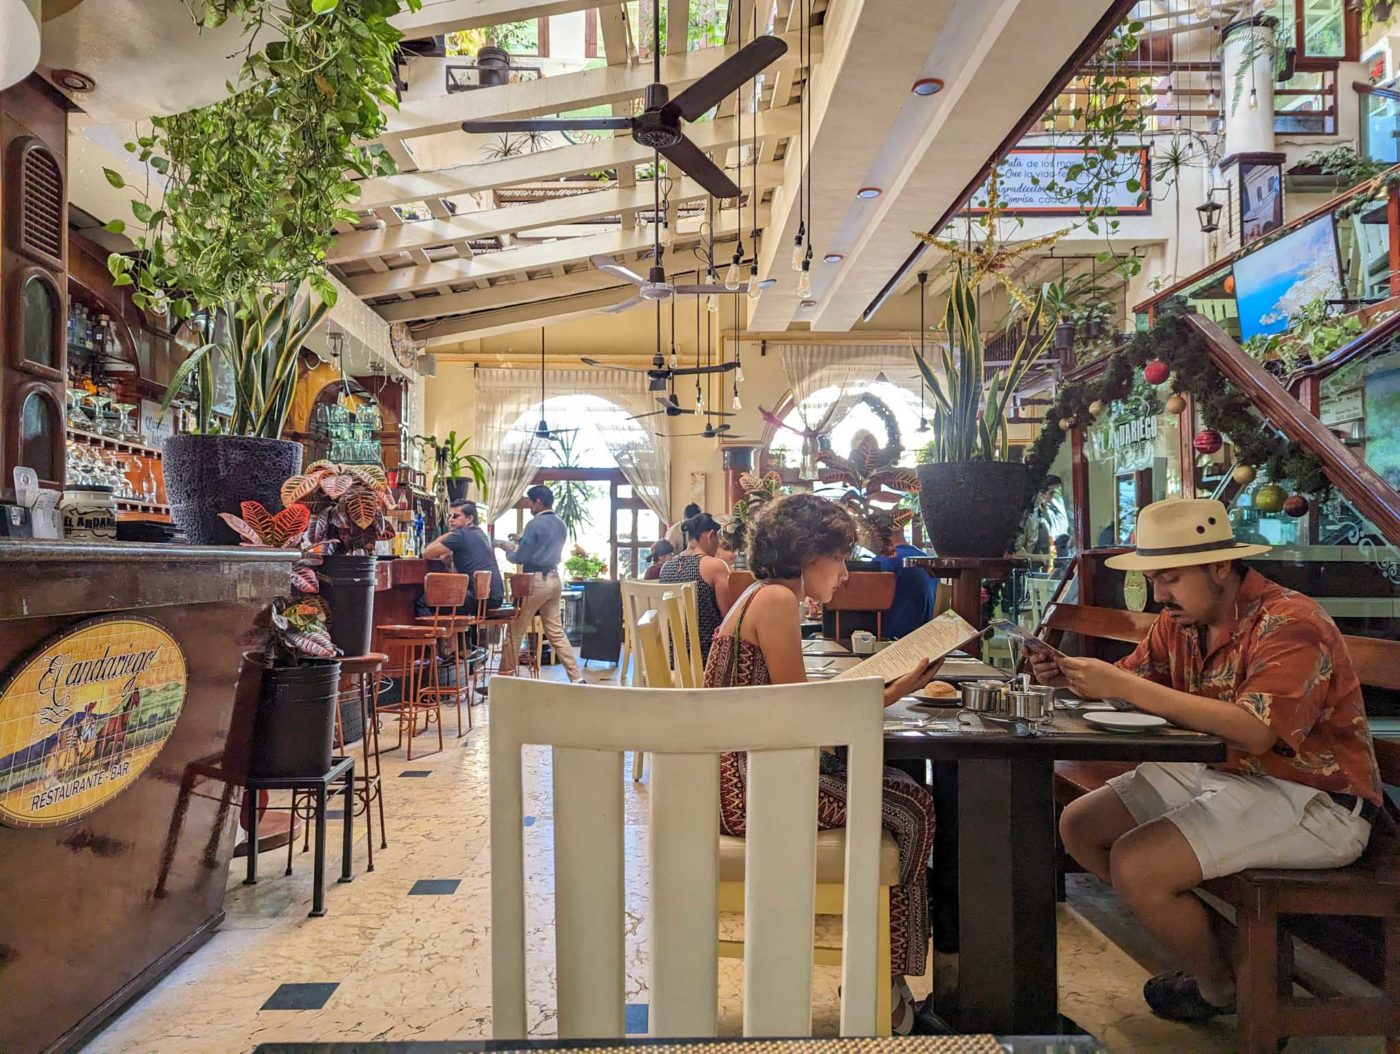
<point x="639" y="454"/>
<point x="502" y="396"/>
<point x="826" y="379"/>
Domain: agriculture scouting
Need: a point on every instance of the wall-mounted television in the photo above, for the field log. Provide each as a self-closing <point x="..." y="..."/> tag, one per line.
<point x="1274" y="282"/>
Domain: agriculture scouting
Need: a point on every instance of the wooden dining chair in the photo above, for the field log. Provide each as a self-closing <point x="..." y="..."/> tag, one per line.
<point x="871" y="591"/>
<point x="679" y="626"/>
<point x="589" y="728"/>
<point x="830" y="888"/>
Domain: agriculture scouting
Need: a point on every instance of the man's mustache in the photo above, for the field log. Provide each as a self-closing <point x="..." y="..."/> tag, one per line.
<point x="1167" y="605"/>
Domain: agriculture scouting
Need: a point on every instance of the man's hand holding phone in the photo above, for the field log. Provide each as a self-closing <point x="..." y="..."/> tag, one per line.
<point x="1045" y="665"/>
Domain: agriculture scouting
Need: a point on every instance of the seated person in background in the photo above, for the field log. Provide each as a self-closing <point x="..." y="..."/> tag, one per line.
<point x="656" y="560"/>
<point x="1263" y="668"/>
<point x="915" y="591"/>
<point x="675" y="534"/>
<point x="467" y="549"/>
<point x="710" y="574"/>
<point x="797" y="550"/>
<point x="731" y="543"/>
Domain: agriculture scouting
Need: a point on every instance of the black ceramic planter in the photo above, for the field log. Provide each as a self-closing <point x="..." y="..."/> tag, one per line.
<point x="457" y="488"/>
<point x="347" y="587"/>
<point x="1064" y="336"/>
<point x="295" y="725"/>
<point x="207" y="475"/>
<point x="972" y="508"/>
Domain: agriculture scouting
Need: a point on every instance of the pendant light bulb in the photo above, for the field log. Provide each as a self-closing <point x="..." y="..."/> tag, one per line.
<point x="1210" y="99"/>
<point x="699" y="398"/>
<point x="739" y="374"/>
<point x="733" y="278"/>
<point x="1254" y="98"/>
<point x="736" y="404"/>
<point x="668" y="237"/>
<point x="755" y="290"/>
<point x="804" y="280"/>
<point x="675" y="362"/>
<point x="1202" y="10"/>
<point x="712" y="303"/>
<point x="798" y="252"/>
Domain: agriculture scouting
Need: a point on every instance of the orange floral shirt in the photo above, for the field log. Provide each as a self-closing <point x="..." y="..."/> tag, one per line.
<point x="1287" y="664"/>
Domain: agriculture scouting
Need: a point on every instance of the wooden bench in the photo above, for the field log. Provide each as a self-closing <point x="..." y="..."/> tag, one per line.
<point x="1351" y="914"/>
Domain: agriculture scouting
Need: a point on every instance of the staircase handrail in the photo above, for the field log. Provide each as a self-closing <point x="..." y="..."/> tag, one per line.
<point x="1358" y="482"/>
<point x="1357" y="348"/>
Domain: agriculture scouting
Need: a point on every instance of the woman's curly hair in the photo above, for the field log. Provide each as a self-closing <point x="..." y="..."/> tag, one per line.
<point x="793" y="531"/>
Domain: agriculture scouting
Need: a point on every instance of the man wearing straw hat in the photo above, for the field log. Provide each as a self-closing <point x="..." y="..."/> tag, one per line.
<point x="1264" y="668"/>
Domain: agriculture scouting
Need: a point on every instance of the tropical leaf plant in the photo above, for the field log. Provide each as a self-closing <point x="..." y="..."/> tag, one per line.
<point x="346" y="506"/>
<point x="257" y="526"/>
<point x="970" y="415"/>
<point x="451" y="460"/>
<point x="260" y="349"/>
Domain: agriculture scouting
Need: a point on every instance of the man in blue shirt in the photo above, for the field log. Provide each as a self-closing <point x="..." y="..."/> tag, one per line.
<point x="538" y="553"/>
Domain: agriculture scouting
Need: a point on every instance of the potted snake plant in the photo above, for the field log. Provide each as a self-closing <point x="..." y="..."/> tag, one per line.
<point x="971" y="496"/>
<point x="209" y="470"/>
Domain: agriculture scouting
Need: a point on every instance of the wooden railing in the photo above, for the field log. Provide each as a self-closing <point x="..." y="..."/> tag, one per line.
<point x="1360" y="484"/>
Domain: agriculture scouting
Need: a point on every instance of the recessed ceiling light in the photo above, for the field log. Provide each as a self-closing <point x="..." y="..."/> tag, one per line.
<point x="768" y="283"/>
<point x="73" y="80"/>
<point x="832" y="258"/>
<point x="809" y="303"/>
<point x="867" y="193"/>
<point x="927" y="86"/>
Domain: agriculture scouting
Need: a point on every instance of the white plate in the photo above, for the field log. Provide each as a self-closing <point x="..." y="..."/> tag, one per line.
<point x="1116" y="721"/>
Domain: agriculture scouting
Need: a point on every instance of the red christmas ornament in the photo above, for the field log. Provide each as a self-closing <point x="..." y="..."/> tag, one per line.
<point x="1296" y="505"/>
<point x="1156" y="372"/>
<point x="1208" y="441"/>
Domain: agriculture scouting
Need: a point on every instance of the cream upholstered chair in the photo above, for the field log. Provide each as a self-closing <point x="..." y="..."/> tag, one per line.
<point x="830" y="892"/>
<point x="680" y="629"/>
<point x="590" y="727"/>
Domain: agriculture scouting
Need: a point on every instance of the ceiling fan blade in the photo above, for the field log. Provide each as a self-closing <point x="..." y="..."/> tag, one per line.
<point x="726" y="77"/>
<point x="702" y="290"/>
<point x="691" y="160"/>
<point x="629" y="302"/>
<point x="653" y="413"/>
<point x="608" y="265"/>
<point x="691" y="371"/>
<point x="605" y="366"/>
<point x="548" y="124"/>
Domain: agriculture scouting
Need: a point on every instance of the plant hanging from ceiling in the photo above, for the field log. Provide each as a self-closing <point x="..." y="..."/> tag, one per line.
<point x="254" y="184"/>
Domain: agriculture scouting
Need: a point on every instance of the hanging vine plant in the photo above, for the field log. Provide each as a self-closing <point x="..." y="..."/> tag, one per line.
<point x="1223" y="408"/>
<point x="254" y="184"/>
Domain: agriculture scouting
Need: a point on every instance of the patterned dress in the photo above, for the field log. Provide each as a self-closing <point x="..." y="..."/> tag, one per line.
<point x="686" y="568"/>
<point x="906" y="808"/>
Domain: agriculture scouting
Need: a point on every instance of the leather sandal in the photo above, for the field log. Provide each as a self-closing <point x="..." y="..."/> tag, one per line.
<point x="1177" y="997"/>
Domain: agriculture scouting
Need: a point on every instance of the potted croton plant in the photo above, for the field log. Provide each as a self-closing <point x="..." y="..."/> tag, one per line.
<point x="295" y="723"/>
<point x="971" y="495"/>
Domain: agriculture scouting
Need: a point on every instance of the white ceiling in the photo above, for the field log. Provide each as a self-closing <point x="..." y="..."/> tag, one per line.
<point x="533" y="226"/>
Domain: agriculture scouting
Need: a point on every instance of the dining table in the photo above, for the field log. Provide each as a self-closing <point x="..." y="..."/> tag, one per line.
<point x="979" y="1044"/>
<point x="1007" y="976"/>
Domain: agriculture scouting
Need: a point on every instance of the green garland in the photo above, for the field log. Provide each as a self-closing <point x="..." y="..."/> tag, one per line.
<point x="1222" y="407"/>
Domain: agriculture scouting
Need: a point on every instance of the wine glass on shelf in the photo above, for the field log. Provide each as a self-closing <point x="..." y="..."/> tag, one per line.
<point x="125" y="428"/>
<point x="148" y="491"/>
<point x="77" y="417"/>
<point x="99" y="412"/>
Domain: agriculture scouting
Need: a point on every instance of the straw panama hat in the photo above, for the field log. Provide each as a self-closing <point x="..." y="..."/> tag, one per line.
<point x="1183" y="532"/>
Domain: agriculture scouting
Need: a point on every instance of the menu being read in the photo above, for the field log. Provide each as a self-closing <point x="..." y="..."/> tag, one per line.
<point x="933" y="640"/>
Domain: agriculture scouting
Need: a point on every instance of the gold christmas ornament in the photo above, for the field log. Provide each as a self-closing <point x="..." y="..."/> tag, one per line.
<point x="1066" y="424"/>
<point x="1176" y="404"/>
<point x="1270" y="497"/>
<point x="1096" y="407"/>
<point x="1244" y="475"/>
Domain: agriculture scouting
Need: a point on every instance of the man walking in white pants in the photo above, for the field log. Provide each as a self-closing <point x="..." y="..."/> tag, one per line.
<point x="538" y="553"/>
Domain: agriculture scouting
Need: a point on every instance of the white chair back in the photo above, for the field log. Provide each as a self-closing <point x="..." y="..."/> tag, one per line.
<point x="589" y="728"/>
<point x="639" y="597"/>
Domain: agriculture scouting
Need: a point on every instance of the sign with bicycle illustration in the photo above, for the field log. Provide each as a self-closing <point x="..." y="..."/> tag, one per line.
<point x="84" y="716"/>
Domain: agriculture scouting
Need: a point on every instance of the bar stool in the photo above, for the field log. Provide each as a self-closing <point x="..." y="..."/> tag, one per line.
<point x="415" y="647"/>
<point x="369" y="787"/>
<point x="484" y="618"/>
<point x="520" y="586"/>
<point x="446" y="594"/>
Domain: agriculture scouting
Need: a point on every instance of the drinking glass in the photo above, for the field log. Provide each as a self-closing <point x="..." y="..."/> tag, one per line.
<point x="124" y="420"/>
<point x="148" y="480"/>
<point x="99" y="413"/>
<point x="77" y="418"/>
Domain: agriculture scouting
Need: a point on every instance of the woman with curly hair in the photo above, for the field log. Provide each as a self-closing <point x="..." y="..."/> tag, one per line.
<point x="797" y="549"/>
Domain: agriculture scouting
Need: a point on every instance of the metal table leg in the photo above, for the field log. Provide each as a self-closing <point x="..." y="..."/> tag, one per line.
<point x="1006" y="968"/>
<point x="348" y="832"/>
<point x="318" y="892"/>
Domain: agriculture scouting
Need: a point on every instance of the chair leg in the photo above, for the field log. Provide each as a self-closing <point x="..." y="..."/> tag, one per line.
<point x="884" y="979"/>
<point x="365" y="772"/>
<point x="1256" y="979"/>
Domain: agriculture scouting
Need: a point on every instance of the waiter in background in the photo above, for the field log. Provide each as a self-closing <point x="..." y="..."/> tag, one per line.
<point x="538" y="553"/>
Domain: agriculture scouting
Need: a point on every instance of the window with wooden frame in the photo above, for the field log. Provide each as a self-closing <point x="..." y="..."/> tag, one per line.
<point x="40" y="330"/>
<point x="592" y="35"/>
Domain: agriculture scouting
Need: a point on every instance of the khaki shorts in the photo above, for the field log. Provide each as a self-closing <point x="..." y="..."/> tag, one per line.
<point x="1234" y="822"/>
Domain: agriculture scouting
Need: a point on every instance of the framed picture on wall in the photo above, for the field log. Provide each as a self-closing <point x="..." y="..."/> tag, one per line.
<point x="1261" y="199"/>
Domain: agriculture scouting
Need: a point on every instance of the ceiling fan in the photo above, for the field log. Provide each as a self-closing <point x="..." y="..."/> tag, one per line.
<point x="712" y="431"/>
<point x="658" y="126"/>
<point x="542" y="430"/>
<point x="671" y="408"/>
<point x="654" y="286"/>
<point x="660" y="373"/>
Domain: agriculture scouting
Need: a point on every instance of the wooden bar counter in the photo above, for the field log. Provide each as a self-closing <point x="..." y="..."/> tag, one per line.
<point x="120" y="743"/>
<point x="398" y="585"/>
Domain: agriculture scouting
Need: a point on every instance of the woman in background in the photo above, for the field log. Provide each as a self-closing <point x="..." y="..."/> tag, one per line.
<point x="797" y="549"/>
<point x="661" y="552"/>
<point x="699" y="564"/>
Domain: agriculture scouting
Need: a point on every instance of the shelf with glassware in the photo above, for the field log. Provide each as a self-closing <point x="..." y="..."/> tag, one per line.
<point x="104" y="443"/>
